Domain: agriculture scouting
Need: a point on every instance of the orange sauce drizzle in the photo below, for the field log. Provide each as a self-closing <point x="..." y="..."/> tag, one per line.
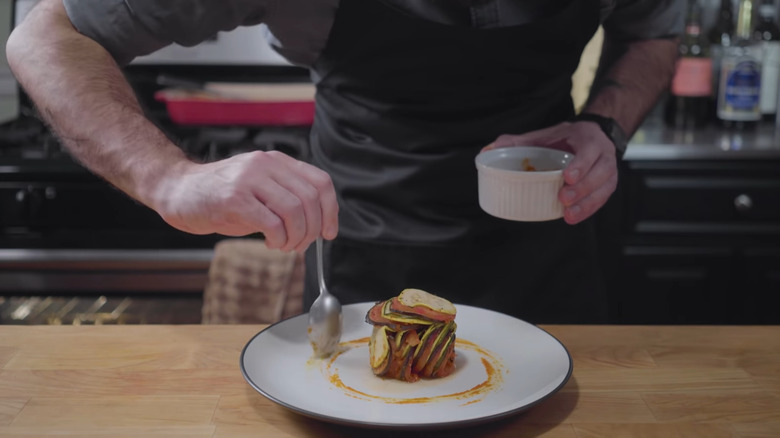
<point x="493" y="369"/>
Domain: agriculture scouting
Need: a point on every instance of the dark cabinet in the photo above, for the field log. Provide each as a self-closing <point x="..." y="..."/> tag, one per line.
<point x="675" y="285"/>
<point x="719" y="198"/>
<point x="756" y="296"/>
<point x="700" y="242"/>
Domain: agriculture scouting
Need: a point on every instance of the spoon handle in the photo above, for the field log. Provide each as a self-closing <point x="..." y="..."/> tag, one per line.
<point x="320" y="273"/>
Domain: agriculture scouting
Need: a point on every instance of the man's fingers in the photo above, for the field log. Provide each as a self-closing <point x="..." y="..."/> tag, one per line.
<point x="315" y="201"/>
<point x="587" y="154"/>
<point x="328" y="204"/>
<point x="310" y="203"/>
<point x="596" y="177"/>
<point x="287" y="206"/>
<point x="262" y="218"/>
<point x="591" y="203"/>
<point x="584" y="160"/>
<point x="322" y="196"/>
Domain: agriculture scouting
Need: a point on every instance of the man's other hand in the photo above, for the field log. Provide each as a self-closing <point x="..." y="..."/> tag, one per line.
<point x="590" y="178"/>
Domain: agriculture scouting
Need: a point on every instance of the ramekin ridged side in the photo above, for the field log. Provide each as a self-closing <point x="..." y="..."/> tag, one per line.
<point x="531" y="197"/>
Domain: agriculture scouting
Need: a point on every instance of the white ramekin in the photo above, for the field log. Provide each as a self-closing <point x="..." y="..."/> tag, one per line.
<point x="508" y="191"/>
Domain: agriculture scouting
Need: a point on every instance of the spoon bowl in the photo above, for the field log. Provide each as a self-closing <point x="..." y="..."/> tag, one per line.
<point x="325" y="319"/>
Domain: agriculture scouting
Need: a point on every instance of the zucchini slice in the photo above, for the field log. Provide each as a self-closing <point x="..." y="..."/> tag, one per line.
<point x="379" y="350"/>
<point x="421" y="298"/>
<point x="431" y="346"/>
<point x="437" y="350"/>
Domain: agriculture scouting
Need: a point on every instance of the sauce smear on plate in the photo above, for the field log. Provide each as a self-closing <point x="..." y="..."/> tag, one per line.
<point x="492" y="366"/>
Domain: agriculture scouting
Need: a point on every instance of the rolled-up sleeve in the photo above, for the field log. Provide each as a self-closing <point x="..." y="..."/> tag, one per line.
<point x="131" y="28"/>
<point x="645" y="19"/>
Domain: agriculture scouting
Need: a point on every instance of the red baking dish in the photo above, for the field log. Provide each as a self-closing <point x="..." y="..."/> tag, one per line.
<point x="241" y="104"/>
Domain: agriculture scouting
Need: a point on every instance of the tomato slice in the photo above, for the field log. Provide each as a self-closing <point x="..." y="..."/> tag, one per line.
<point x="421" y="311"/>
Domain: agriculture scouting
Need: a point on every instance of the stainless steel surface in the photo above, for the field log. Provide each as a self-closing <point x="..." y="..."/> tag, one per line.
<point x="98" y="310"/>
<point x="654" y="141"/>
<point x="325" y="319"/>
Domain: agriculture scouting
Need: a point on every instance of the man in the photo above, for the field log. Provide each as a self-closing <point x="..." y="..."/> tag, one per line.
<point x="409" y="91"/>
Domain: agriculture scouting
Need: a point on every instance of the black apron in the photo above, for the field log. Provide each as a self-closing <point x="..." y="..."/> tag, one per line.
<point x="403" y="107"/>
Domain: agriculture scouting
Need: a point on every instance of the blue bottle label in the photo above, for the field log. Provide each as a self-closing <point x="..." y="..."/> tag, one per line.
<point x="743" y="86"/>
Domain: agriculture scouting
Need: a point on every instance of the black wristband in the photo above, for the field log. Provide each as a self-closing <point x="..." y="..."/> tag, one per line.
<point x="610" y="127"/>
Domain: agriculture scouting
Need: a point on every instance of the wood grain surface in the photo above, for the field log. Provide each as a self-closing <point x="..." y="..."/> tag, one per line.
<point x="184" y="381"/>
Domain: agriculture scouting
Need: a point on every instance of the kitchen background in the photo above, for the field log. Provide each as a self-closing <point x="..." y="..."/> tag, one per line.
<point x="692" y="235"/>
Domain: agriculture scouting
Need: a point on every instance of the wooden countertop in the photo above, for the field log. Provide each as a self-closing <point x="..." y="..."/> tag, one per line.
<point x="184" y="381"/>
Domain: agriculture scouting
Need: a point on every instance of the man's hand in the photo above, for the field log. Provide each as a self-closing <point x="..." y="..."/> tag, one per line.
<point x="289" y="201"/>
<point x="85" y="98"/>
<point x="591" y="177"/>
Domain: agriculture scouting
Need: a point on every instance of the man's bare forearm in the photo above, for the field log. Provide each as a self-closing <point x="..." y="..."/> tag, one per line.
<point x="633" y="83"/>
<point x="81" y="93"/>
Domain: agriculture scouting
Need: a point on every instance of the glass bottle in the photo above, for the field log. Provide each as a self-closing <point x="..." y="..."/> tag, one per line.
<point x="768" y="33"/>
<point x="688" y="105"/>
<point x="739" y="92"/>
<point x="720" y="36"/>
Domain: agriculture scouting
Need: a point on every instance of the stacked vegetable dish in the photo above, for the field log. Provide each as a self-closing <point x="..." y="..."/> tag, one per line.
<point x="413" y="336"/>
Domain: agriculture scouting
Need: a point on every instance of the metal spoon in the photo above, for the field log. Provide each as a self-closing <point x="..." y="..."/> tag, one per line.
<point x="325" y="319"/>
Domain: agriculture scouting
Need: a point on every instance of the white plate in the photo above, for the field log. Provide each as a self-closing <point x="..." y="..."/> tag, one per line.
<point x="503" y="366"/>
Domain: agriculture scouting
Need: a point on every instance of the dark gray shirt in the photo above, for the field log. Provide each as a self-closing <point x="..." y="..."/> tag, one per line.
<point x="299" y="29"/>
